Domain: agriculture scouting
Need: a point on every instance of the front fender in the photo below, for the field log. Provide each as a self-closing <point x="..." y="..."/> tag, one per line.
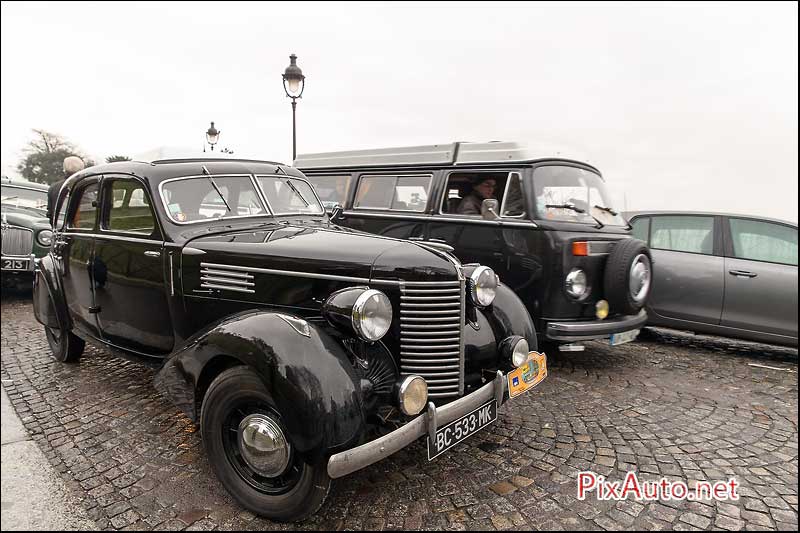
<point x="308" y="376"/>
<point x="49" y="306"/>
<point x="508" y="316"/>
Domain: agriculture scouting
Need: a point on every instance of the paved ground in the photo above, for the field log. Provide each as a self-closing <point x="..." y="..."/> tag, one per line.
<point x="33" y="496"/>
<point x="677" y="406"/>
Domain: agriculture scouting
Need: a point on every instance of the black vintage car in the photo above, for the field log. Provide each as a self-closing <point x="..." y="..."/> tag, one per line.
<point x="305" y="350"/>
<point x="544" y="222"/>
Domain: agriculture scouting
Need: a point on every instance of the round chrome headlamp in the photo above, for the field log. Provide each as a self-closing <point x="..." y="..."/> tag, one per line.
<point x="483" y="286"/>
<point x="45" y="237"/>
<point x="372" y="315"/>
<point x="576" y="283"/>
<point x="412" y="395"/>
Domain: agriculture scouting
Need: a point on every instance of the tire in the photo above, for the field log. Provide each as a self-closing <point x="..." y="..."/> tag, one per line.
<point x="65" y="345"/>
<point x="628" y="276"/>
<point x="298" y="492"/>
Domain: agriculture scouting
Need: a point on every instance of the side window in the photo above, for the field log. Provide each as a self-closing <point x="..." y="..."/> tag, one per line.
<point x="58" y="221"/>
<point x="513" y="201"/>
<point x="764" y="241"/>
<point x="693" y="234"/>
<point x="332" y="190"/>
<point x="85" y="212"/>
<point x="641" y="228"/>
<point x="466" y="191"/>
<point x="397" y="193"/>
<point x="133" y="215"/>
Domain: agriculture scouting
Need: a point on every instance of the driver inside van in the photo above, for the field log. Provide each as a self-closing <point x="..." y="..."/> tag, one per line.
<point x="482" y="189"/>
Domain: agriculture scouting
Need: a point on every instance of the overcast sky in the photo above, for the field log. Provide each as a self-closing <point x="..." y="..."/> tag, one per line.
<point x="681" y="106"/>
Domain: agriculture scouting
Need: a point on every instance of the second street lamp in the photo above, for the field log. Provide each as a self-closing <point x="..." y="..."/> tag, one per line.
<point x="212" y="136"/>
<point x="293" y="83"/>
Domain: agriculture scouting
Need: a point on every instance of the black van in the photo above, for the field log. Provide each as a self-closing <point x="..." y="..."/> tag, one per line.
<point x="543" y="222"/>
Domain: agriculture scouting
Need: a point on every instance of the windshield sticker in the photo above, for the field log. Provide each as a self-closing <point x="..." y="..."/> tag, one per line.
<point x="174" y="208"/>
<point x="180" y="217"/>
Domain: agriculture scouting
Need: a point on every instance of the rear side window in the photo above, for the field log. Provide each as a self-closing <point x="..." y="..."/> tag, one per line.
<point x="694" y="234"/>
<point x="86" y="211"/>
<point x="396" y="193"/>
<point x="641" y="228"/>
<point x="764" y="241"/>
<point x="130" y="209"/>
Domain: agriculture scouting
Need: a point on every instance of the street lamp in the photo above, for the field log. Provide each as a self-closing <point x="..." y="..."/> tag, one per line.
<point x="293" y="83"/>
<point x="212" y="135"/>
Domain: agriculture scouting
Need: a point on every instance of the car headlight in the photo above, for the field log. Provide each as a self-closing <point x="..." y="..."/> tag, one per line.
<point x="576" y="283"/>
<point x="412" y="395"/>
<point x="483" y="286"/>
<point x="45" y="237"/>
<point x="515" y="350"/>
<point x="365" y="312"/>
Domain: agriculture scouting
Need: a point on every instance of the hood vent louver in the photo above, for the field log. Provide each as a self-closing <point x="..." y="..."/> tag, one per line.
<point x="223" y="278"/>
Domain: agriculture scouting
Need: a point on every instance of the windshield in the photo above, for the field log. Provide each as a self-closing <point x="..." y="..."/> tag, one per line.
<point x="20" y="197"/>
<point x="289" y="195"/>
<point x="201" y="198"/>
<point x="572" y="194"/>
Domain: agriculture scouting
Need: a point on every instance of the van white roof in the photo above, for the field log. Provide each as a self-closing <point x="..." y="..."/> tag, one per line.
<point x="456" y="153"/>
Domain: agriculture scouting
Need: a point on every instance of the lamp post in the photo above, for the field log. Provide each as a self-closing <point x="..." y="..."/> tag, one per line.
<point x="293" y="83"/>
<point x="212" y="136"/>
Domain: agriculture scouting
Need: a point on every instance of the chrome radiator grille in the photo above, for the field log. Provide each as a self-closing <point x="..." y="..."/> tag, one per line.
<point x="431" y="340"/>
<point x="17" y="241"/>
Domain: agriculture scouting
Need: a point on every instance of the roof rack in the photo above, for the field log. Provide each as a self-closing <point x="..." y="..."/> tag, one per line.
<point x="456" y="153"/>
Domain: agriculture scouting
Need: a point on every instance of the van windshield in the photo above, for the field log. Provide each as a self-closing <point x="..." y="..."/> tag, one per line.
<point x="573" y="194"/>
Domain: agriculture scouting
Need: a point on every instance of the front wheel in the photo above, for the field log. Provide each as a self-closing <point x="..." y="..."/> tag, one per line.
<point x="251" y="454"/>
<point x="65" y="345"/>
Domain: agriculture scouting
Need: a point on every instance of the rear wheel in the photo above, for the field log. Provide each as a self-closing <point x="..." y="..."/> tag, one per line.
<point x="65" y="345"/>
<point x="251" y="454"/>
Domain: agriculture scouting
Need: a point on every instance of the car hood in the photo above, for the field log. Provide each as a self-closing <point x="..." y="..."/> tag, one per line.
<point x="27" y="218"/>
<point x="321" y="250"/>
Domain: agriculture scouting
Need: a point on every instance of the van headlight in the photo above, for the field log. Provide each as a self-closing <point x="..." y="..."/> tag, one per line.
<point x="482" y="286"/>
<point x="45" y="237"/>
<point x="577" y="284"/>
<point x="365" y="312"/>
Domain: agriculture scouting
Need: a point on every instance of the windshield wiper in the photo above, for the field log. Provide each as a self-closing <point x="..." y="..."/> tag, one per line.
<point x="577" y="210"/>
<point x="607" y="210"/>
<point x="291" y="186"/>
<point x="224" y="201"/>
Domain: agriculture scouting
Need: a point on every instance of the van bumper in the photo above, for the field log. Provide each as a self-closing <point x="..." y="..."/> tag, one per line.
<point x="584" y="330"/>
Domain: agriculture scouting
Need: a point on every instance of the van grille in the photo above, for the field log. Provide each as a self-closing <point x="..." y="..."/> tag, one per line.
<point x="431" y="338"/>
<point x="17" y="241"/>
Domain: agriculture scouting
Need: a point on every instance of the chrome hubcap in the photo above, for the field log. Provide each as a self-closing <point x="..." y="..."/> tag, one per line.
<point x="639" y="279"/>
<point x="263" y="445"/>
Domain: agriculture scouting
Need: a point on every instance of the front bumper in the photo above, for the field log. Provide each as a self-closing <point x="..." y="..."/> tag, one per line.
<point x="594" y="329"/>
<point x="362" y="456"/>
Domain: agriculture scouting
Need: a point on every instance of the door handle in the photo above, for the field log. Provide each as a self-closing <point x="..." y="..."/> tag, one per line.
<point x="151" y="253"/>
<point x="743" y="273"/>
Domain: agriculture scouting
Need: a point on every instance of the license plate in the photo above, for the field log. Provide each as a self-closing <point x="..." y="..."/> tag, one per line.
<point x="16" y="264"/>
<point x="528" y="375"/>
<point x="461" y="429"/>
<point x="622" y="338"/>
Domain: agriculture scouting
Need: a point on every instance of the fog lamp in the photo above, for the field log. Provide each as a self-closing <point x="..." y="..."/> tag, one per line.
<point x="515" y="350"/>
<point x="601" y="309"/>
<point x="412" y="395"/>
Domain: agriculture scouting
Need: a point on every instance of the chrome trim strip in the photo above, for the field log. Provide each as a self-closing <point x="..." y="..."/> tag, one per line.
<point x="349" y="461"/>
<point x="111" y="237"/>
<point x="423" y="357"/>
<point x="225" y="287"/>
<point x="442" y="394"/>
<point x="171" y="276"/>
<point x="288" y="273"/>
<point x="237" y="282"/>
<point x="225" y="273"/>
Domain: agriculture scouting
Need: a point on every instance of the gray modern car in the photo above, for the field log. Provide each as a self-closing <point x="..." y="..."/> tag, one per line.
<point x="731" y="275"/>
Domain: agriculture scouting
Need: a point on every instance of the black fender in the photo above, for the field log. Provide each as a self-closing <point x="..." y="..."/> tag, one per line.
<point x="509" y="316"/>
<point x="309" y="378"/>
<point x="49" y="306"/>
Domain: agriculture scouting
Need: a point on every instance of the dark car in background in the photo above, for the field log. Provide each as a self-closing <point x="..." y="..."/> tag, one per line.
<point x="724" y="274"/>
<point x="26" y="233"/>
<point x="306" y="351"/>
<point x="549" y="229"/>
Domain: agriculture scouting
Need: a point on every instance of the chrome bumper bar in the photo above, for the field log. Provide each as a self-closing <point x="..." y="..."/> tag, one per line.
<point x="362" y="456"/>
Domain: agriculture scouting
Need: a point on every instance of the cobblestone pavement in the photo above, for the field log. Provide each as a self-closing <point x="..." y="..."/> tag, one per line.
<point x="671" y="405"/>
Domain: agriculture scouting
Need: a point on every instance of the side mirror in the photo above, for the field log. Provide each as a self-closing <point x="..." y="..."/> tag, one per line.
<point x="336" y="212"/>
<point x="489" y="209"/>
